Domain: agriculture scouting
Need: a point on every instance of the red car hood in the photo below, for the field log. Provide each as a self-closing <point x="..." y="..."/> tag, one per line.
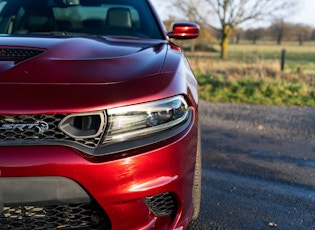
<point x="82" y="74"/>
<point x="81" y="60"/>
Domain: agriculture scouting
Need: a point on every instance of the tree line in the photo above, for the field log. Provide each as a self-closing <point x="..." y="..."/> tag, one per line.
<point x="279" y="31"/>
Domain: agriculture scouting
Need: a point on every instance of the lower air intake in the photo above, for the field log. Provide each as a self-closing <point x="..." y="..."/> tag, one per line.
<point x="71" y="216"/>
<point x="162" y="204"/>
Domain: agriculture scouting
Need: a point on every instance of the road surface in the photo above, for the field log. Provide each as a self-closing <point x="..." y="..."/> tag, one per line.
<point x="258" y="167"/>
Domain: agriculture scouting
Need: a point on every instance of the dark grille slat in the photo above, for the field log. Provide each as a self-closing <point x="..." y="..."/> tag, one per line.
<point x="72" y="216"/>
<point x="31" y="135"/>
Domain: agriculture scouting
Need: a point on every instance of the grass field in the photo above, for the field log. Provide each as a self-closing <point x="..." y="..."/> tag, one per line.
<point x="252" y="74"/>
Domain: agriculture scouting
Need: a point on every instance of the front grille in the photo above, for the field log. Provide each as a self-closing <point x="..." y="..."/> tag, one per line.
<point x="17" y="54"/>
<point x="74" y="216"/>
<point x="30" y="130"/>
<point x="162" y="204"/>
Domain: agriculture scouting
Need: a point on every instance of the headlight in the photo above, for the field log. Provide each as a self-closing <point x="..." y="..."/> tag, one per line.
<point x="135" y="121"/>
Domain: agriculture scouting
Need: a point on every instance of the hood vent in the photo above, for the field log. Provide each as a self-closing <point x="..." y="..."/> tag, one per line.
<point x="18" y="55"/>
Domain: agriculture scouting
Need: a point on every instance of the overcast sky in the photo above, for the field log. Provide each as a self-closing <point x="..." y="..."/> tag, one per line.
<point x="305" y="13"/>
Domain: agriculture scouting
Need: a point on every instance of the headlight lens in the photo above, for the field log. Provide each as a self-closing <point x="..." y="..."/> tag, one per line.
<point x="134" y="121"/>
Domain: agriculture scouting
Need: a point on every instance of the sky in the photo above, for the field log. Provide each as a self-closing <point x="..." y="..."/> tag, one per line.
<point x="305" y="13"/>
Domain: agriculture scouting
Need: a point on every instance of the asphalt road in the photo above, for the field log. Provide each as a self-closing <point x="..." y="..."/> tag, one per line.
<point x="258" y="167"/>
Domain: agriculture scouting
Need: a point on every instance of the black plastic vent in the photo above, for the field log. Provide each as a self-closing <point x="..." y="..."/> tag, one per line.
<point x="17" y="55"/>
<point x="162" y="204"/>
<point x="72" y="216"/>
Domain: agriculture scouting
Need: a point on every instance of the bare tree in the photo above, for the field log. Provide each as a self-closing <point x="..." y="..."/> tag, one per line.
<point x="303" y="32"/>
<point x="233" y="13"/>
<point x="254" y="34"/>
<point x="281" y="30"/>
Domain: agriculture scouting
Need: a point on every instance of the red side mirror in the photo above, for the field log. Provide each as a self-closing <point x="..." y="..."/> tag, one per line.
<point x="184" y="30"/>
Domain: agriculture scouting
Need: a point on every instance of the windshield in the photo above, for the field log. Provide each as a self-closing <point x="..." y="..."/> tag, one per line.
<point x="97" y="17"/>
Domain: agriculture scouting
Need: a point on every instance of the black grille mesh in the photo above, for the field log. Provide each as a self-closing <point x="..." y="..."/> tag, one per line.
<point x="16" y="54"/>
<point x="73" y="216"/>
<point x="162" y="204"/>
<point x="20" y="135"/>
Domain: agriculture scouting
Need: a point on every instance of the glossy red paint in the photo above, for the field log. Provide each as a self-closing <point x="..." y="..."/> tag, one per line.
<point x="69" y="64"/>
<point x="81" y="74"/>
<point x="118" y="185"/>
<point x="91" y="81"/>
<point x="184" y="30"/>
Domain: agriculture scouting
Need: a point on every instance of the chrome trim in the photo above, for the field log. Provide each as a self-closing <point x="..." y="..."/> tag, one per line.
<point x="41" y="126"/>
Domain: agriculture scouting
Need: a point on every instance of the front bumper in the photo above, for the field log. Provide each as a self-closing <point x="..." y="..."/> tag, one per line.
<point x="126" y="189"/>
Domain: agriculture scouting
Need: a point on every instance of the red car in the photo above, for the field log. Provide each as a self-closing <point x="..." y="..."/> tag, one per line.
<point x="98" y="117"/>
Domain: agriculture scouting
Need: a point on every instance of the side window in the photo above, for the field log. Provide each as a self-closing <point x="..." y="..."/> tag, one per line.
<point x="2" y="4"/>
<point x="14" y="22"/>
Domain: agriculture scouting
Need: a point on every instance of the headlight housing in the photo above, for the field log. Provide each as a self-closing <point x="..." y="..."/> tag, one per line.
<point x="131" y="122"/>
<point x="124" y="128"/>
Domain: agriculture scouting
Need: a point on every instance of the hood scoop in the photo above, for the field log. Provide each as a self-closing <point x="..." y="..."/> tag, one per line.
<point x="18" y="54"/>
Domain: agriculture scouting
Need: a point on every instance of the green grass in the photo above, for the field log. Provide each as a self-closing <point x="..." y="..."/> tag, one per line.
<point x="253" y="91"/>
<point x="252" y="75"/>
<point x="302" y="57"/>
